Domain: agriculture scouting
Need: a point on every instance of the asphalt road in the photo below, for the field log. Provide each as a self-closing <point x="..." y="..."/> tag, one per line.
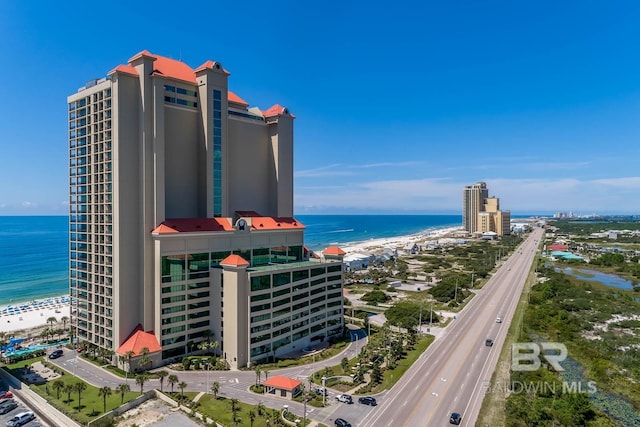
<point x="448" y="377"/>
<point x="452" y="374"/>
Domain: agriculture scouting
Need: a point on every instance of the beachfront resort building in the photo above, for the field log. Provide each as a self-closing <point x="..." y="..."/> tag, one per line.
<point x="181" y="220"/>
<point x="481" y="213"/>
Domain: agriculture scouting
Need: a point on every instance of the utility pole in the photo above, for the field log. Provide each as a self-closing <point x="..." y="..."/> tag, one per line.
<point x="472" y="282"/>
<point x="430" y="317"/>
<point x="420" y="320"/>
<point x="455" y="298"/>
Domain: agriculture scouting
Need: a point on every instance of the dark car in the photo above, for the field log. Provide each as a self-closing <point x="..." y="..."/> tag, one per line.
<point x="367" y="401"/>
<point x="8" y="407"/>
<point x="488" y="342"/>
<point x="55" y="354"/>
<point x="341" y="422"/>
<point x="455" y="418"/>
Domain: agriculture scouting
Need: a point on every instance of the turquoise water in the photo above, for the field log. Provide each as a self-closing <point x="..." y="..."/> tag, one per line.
<point x="607" y="279"/>
<point x="36" y="347"/>
<point x="34" y="250"/>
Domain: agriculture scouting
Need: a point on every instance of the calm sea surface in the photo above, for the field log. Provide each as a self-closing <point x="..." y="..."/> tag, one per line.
<point x="34" y="250"/>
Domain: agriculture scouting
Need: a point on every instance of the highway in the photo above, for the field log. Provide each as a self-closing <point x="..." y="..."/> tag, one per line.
<point x="452" y="374"/>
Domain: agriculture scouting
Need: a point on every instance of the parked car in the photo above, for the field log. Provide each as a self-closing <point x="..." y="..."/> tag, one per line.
<point x="344" y="398"/>
<point x="321" y="391"/>
<point x="5" y="400"/>
<point x="21" y="419"/>
<point x="55" y="354"/>
<point x="341" y="422"/>
<point x="367" y="400"/>
<point x="8" y="407"/>
<point x="498" y="319"/>
<point x="488" y="342"/>
<point x="455" y="418"/>
<point x="6" y="395"/>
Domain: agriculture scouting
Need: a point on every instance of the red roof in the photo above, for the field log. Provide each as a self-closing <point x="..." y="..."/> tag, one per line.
<point x="276" y="110"/>
<point x="558" y="247"/>
<point x="234" y="260"/>
<point x="281" y="382"/>
<point x="190" y="225"/>
<point x="128" y="69"/>
<point x="176" y="70"/>
<point x="333" y="250"/>
<point x="232" y="97"/>
<point x="270" y="223"/>
<point x="138" y="340"/>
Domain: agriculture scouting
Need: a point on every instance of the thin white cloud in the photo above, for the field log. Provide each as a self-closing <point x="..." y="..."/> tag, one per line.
<point x="344" y="169"/>
<point x="519" y="195"/>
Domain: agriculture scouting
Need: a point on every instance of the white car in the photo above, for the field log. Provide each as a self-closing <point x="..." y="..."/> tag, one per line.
<point x="344" y="398"/>
<point x="21" y="419"/>
<point x="498" y="320"/>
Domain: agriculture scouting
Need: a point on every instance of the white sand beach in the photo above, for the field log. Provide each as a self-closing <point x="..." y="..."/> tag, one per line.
<point x="398" y="241"/>
<point x="32" y="314"/>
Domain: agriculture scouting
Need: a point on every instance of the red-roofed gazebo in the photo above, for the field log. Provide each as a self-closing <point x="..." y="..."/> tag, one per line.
<point x="282" y="386"/>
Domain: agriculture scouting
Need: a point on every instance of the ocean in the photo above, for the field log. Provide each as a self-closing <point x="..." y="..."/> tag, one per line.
<point x="34" y="250"/>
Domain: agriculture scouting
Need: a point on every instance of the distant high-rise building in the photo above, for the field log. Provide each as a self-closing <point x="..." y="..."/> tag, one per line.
<point x="181" y="220"/>
<point x="481" y="213"/>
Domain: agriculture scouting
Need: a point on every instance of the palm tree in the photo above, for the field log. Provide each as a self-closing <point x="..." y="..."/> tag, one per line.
<point x="58" y="385"/>
<point x="182" y="386"/>
<point x="79" y="387"/>
<point x="51" y="320"/>
<point x="173" y="380"/>
<point x="162" y="374"/>
<point x="141" y="379"/>
<point x="129" y="354"/>
<point x="64" y="320"/>
<point x="234" y="409"/>
<point x="266" y="374"/>
<point x="260" y="408"/>
<point x="68" y="388"/>
<point x="123" y="389"/>
<point x="252" y="416"/>
<point x="215" y="388"/>
<point x="258" y="374"/>
<point x="144" y="362"/>
<point x="104" y="392"/>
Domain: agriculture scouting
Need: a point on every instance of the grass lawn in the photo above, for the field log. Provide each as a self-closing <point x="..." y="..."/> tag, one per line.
<point x="392" y="376"/>
<point x="324" y="354"/>
<point x="220" y="410"/>
<point x="90" y="406"/>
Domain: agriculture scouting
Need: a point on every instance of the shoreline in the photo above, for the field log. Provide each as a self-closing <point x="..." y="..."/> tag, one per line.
<point x="396" y="241"/>
<point x="27" y="315"/>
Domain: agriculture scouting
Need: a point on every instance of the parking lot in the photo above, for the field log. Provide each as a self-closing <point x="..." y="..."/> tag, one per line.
<point x="21" y="408"/>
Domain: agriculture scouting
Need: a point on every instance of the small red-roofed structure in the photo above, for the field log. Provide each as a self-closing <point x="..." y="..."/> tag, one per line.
<point x="136" y="342"/>
<point x="234" y="260"/>
<point x="558" y="247"/>
<point x="282" y="386"/>
<point x="334" y="251"/>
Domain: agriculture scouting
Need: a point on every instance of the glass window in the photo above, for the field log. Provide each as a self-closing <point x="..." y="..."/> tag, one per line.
<point x="300" y="275"/>
<point x="198" y="265"/>
<point x="173" y="268"/>
<point x="280" y="279"/>
<point x="259" y="283"/>
<point x="260" y="256"/>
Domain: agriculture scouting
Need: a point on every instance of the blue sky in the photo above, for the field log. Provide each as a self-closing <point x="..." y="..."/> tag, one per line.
<point x="398" y="104"/>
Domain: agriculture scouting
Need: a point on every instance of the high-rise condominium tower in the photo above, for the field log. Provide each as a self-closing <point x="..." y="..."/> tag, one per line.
<point x="181" y="220"/>
<point x="481" y="213"/>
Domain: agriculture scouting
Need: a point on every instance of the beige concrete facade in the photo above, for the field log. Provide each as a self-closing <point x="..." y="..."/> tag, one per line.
<point x="481" y="213"/>
<point x="157" y="140"/>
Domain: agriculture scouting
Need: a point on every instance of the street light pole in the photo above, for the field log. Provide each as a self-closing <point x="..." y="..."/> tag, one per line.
<point x="324" y="390"/>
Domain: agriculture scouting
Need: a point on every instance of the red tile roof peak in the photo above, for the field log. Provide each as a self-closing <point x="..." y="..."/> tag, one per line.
<point x="282" y="382"/>
<point x="234" y="260"/>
